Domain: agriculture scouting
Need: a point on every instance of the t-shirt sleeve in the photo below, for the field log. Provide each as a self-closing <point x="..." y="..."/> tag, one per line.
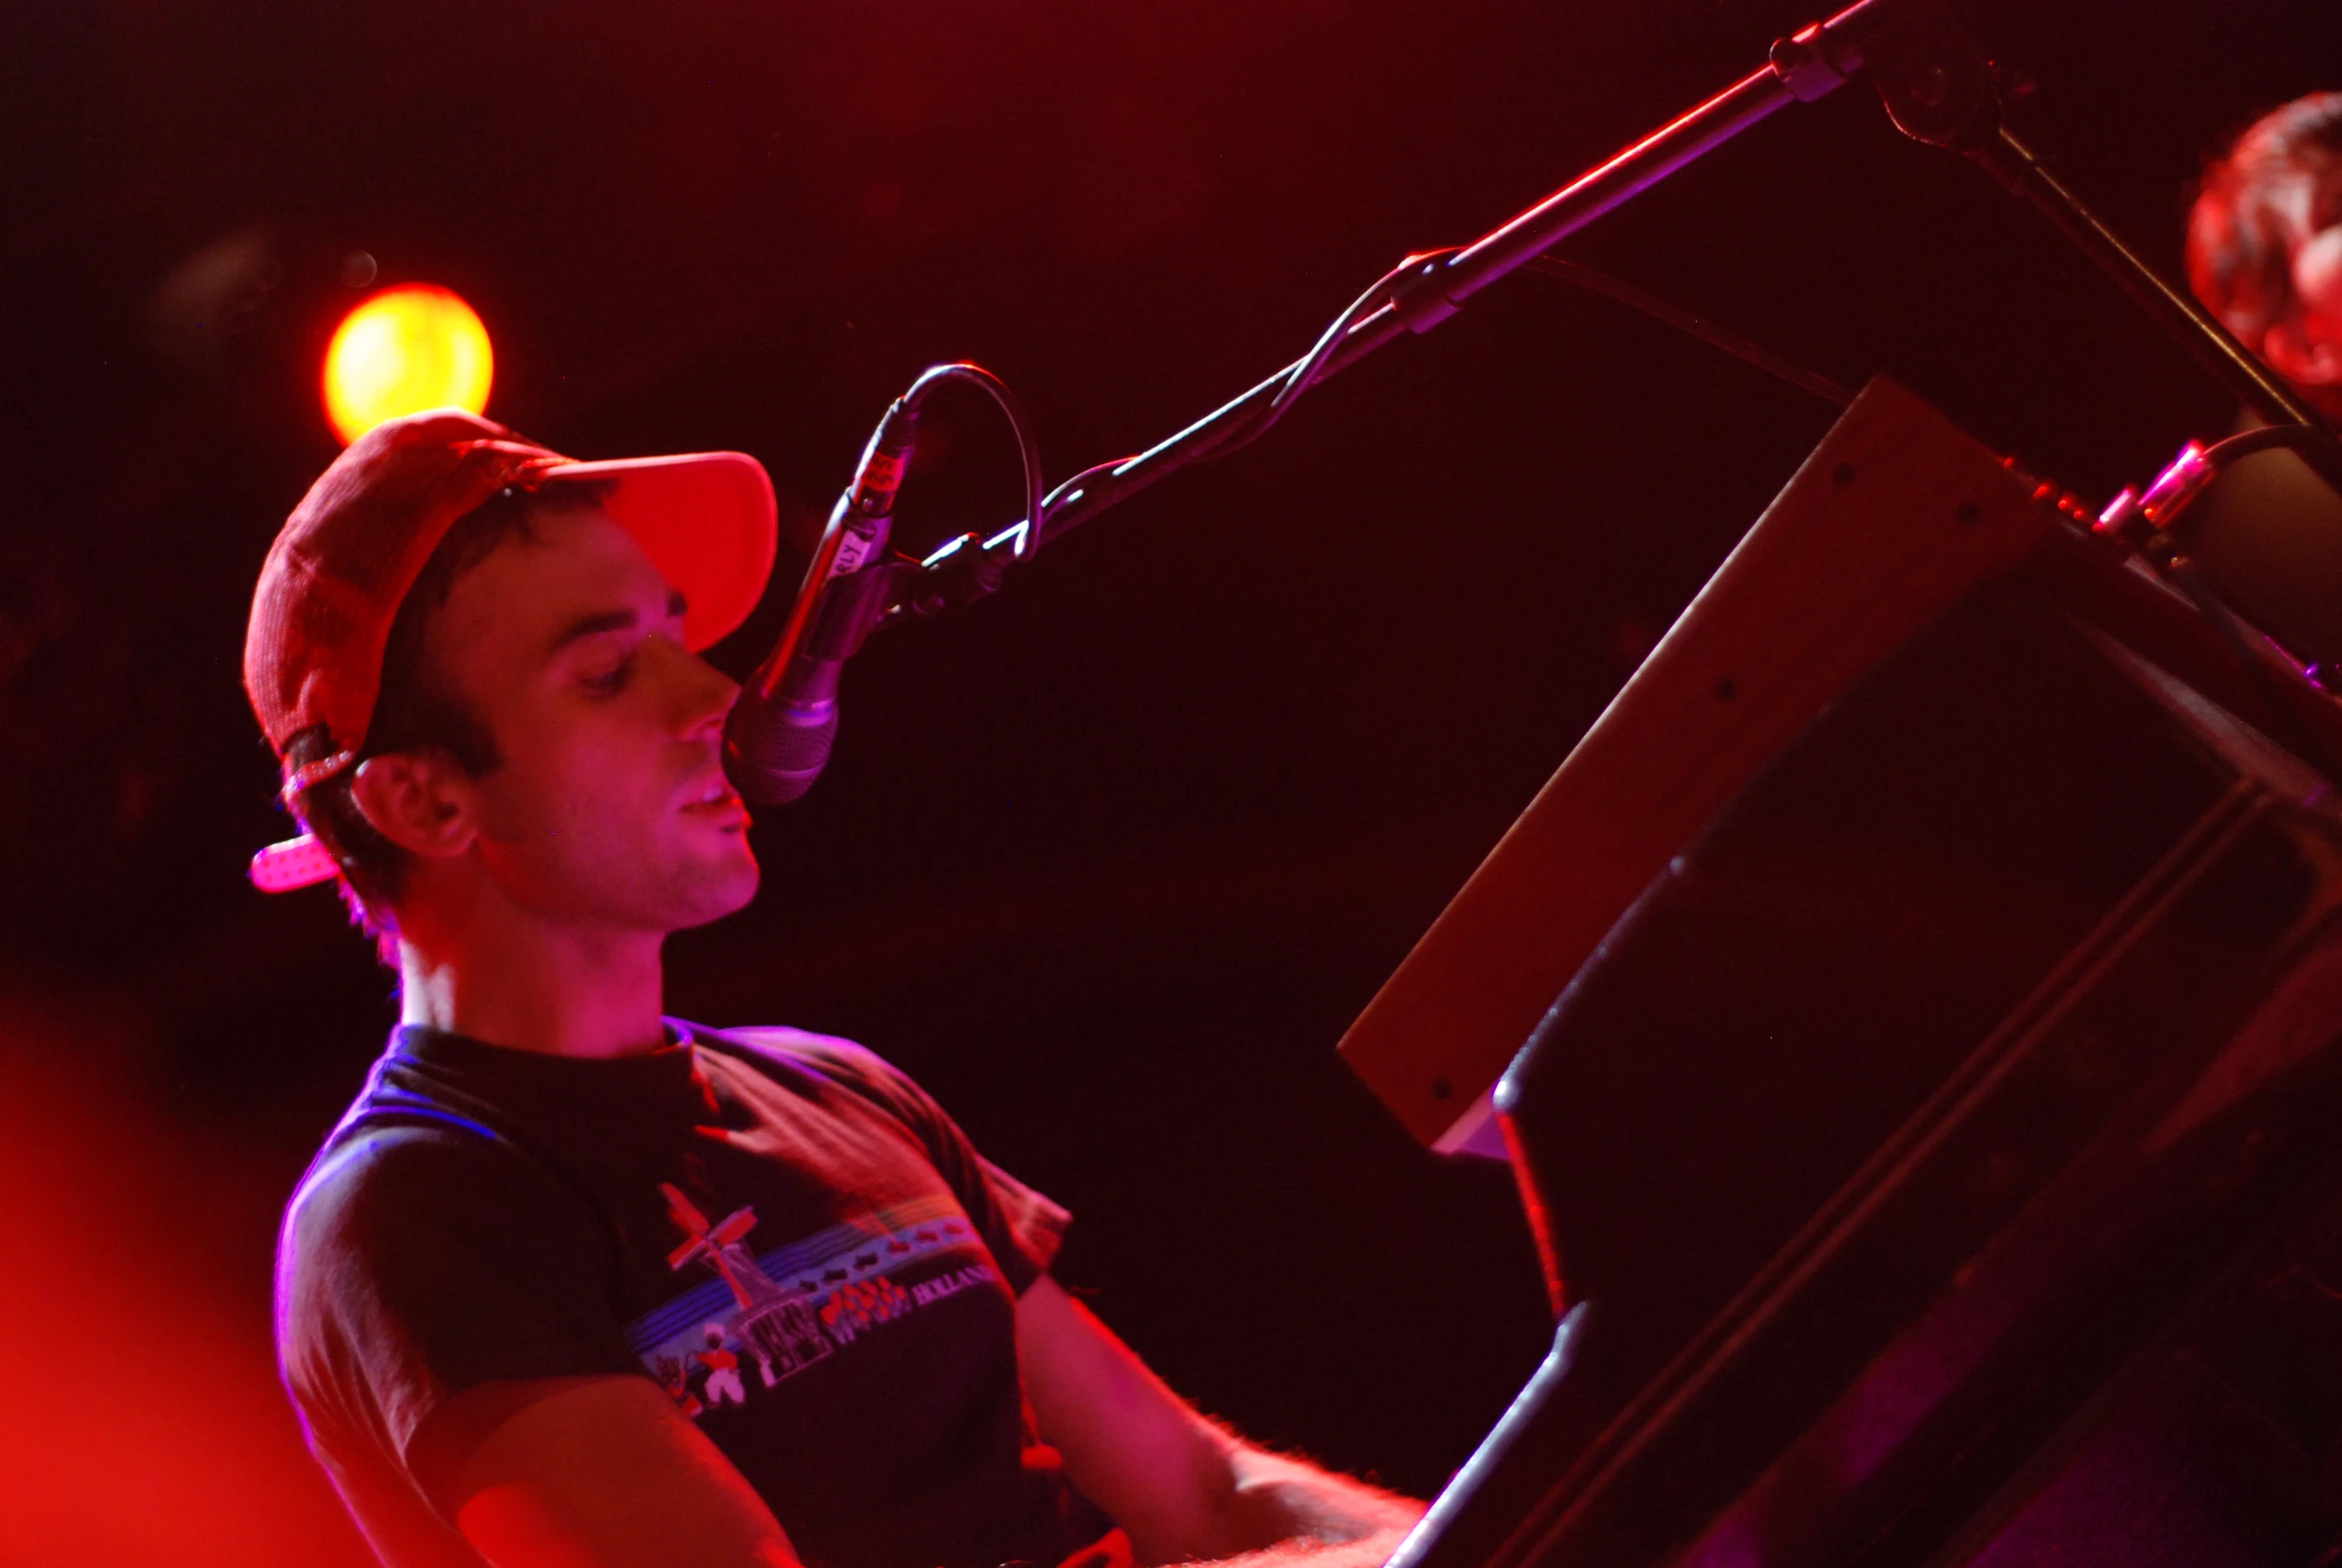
<point x="1021" y="1226"/>
<point x="417" y="1263"/>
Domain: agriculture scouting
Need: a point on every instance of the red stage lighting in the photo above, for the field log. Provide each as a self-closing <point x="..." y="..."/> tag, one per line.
<point x="404" y="350"/>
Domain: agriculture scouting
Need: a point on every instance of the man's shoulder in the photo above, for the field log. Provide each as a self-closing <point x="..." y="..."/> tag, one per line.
<point x="402" y="1165"/>
<point x="807" y="1059"/>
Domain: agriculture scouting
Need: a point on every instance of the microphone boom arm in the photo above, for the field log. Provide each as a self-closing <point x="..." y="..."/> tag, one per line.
<point x="1907" y="38"/>
<point x="1425" y="291"/>
<point x="1934" y="85"/>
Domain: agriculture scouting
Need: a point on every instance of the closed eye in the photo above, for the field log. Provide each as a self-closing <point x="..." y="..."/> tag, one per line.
<point x="624" y="628"/>
<point x="613" y="680"/>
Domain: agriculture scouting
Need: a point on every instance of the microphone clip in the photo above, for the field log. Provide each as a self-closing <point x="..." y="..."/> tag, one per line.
<point x="961" y="572"/>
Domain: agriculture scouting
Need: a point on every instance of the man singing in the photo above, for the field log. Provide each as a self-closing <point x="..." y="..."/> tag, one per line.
<point x="576" y="1284"/>
<point x="2264" y="244"/>
<point x="2264" y="253"/>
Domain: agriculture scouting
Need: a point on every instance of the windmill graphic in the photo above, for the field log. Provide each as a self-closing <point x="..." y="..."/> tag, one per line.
<point x="776" y="1321"/>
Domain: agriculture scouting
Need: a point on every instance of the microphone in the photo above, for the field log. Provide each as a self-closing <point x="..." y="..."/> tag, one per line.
<point x="778" y="737"/>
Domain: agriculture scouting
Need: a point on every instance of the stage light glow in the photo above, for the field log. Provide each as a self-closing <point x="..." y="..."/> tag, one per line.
<point x="404" y="350"/>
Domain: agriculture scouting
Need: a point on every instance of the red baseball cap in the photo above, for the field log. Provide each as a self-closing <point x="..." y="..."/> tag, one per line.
<point x="347" y="556"/>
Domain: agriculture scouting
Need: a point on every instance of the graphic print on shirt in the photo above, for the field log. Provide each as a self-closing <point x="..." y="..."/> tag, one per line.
<point x="723" y="1369"/>
<point x="796" y="1305"/>
<point x="775" y="1321"/>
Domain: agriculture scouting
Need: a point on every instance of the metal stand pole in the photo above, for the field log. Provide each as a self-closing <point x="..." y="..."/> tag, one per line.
<point x="1937" y="85"/>
<point x="1939" y="88"/>
<point x="1810" y="65"/>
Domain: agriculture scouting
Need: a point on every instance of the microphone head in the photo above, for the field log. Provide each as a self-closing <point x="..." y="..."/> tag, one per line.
<point x="773" y="751"/>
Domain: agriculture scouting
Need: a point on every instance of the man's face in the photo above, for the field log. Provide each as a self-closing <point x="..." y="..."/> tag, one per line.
<point x="2306" y="347"/>
<point x="2317" y="279"/>
<point x="611" y="809"/>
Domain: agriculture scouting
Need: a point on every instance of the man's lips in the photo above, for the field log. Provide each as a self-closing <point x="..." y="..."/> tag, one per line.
<point x="717" y="799"/>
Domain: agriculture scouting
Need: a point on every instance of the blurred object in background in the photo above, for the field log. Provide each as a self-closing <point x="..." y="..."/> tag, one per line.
<point x="2264" y="243"/>
<point x="213" y="295"/>
<point x="144" y="1418"/>
<point x="2269" y="533"/>
<point x="2264" y="251"/>
<point x="407" y="348"/>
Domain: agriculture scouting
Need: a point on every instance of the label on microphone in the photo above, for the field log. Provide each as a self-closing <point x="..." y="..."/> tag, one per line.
<point x="854" y="548"/>
<point x="882" y="475"/>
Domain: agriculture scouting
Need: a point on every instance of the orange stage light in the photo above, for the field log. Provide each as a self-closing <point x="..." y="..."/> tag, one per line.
<point x="406" y="349"/>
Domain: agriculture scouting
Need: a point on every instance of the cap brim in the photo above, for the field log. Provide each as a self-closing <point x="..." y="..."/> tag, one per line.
<point x="707" y="521"/>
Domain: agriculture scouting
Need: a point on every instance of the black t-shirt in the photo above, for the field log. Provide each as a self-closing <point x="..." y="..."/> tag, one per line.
<point x="780" y="1229"/>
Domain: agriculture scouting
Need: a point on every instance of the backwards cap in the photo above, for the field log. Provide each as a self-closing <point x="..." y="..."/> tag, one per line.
<point x="350" y="552"/>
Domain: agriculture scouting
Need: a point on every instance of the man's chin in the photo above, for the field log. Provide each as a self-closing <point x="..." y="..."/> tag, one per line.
<point x="726" y="890"/>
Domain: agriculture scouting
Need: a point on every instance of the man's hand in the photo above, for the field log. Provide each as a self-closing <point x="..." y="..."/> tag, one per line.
<point x="1182" y="1488"/>
<point x="591" y="1472"/>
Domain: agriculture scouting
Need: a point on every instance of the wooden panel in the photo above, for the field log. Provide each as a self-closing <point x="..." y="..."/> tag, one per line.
<point x="1892" y="518"/>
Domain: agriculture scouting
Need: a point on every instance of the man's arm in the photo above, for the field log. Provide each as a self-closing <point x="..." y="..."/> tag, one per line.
<point x="1182" y="1488"/>
<point x="591" y="1472"/>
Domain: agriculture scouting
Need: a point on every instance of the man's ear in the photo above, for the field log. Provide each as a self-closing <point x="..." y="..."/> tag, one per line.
<point x="417" y="800"/>
<point x="2302" y="357"/>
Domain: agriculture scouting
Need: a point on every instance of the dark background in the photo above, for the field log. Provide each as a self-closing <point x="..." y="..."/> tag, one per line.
<point x="1109" y="862"/>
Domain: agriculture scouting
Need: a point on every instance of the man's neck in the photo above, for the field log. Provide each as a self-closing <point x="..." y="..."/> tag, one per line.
<point x="519" y="983"/>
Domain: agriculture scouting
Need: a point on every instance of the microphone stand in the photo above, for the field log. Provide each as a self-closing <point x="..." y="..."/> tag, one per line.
<point x="1811" y="64"/>
<point x="1937" y="85"/>
<point x="1937" y="88"/>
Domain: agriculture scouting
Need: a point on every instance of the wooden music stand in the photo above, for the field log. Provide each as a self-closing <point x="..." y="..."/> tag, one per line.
<point x="1915" y="1006"/>
<point x="1891" y="521"/>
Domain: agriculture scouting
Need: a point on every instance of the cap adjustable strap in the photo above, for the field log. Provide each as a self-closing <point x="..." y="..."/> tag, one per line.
<point x="295" y="863"/>
<point x="302" y="861"/>
<point x="313" y="773"/>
